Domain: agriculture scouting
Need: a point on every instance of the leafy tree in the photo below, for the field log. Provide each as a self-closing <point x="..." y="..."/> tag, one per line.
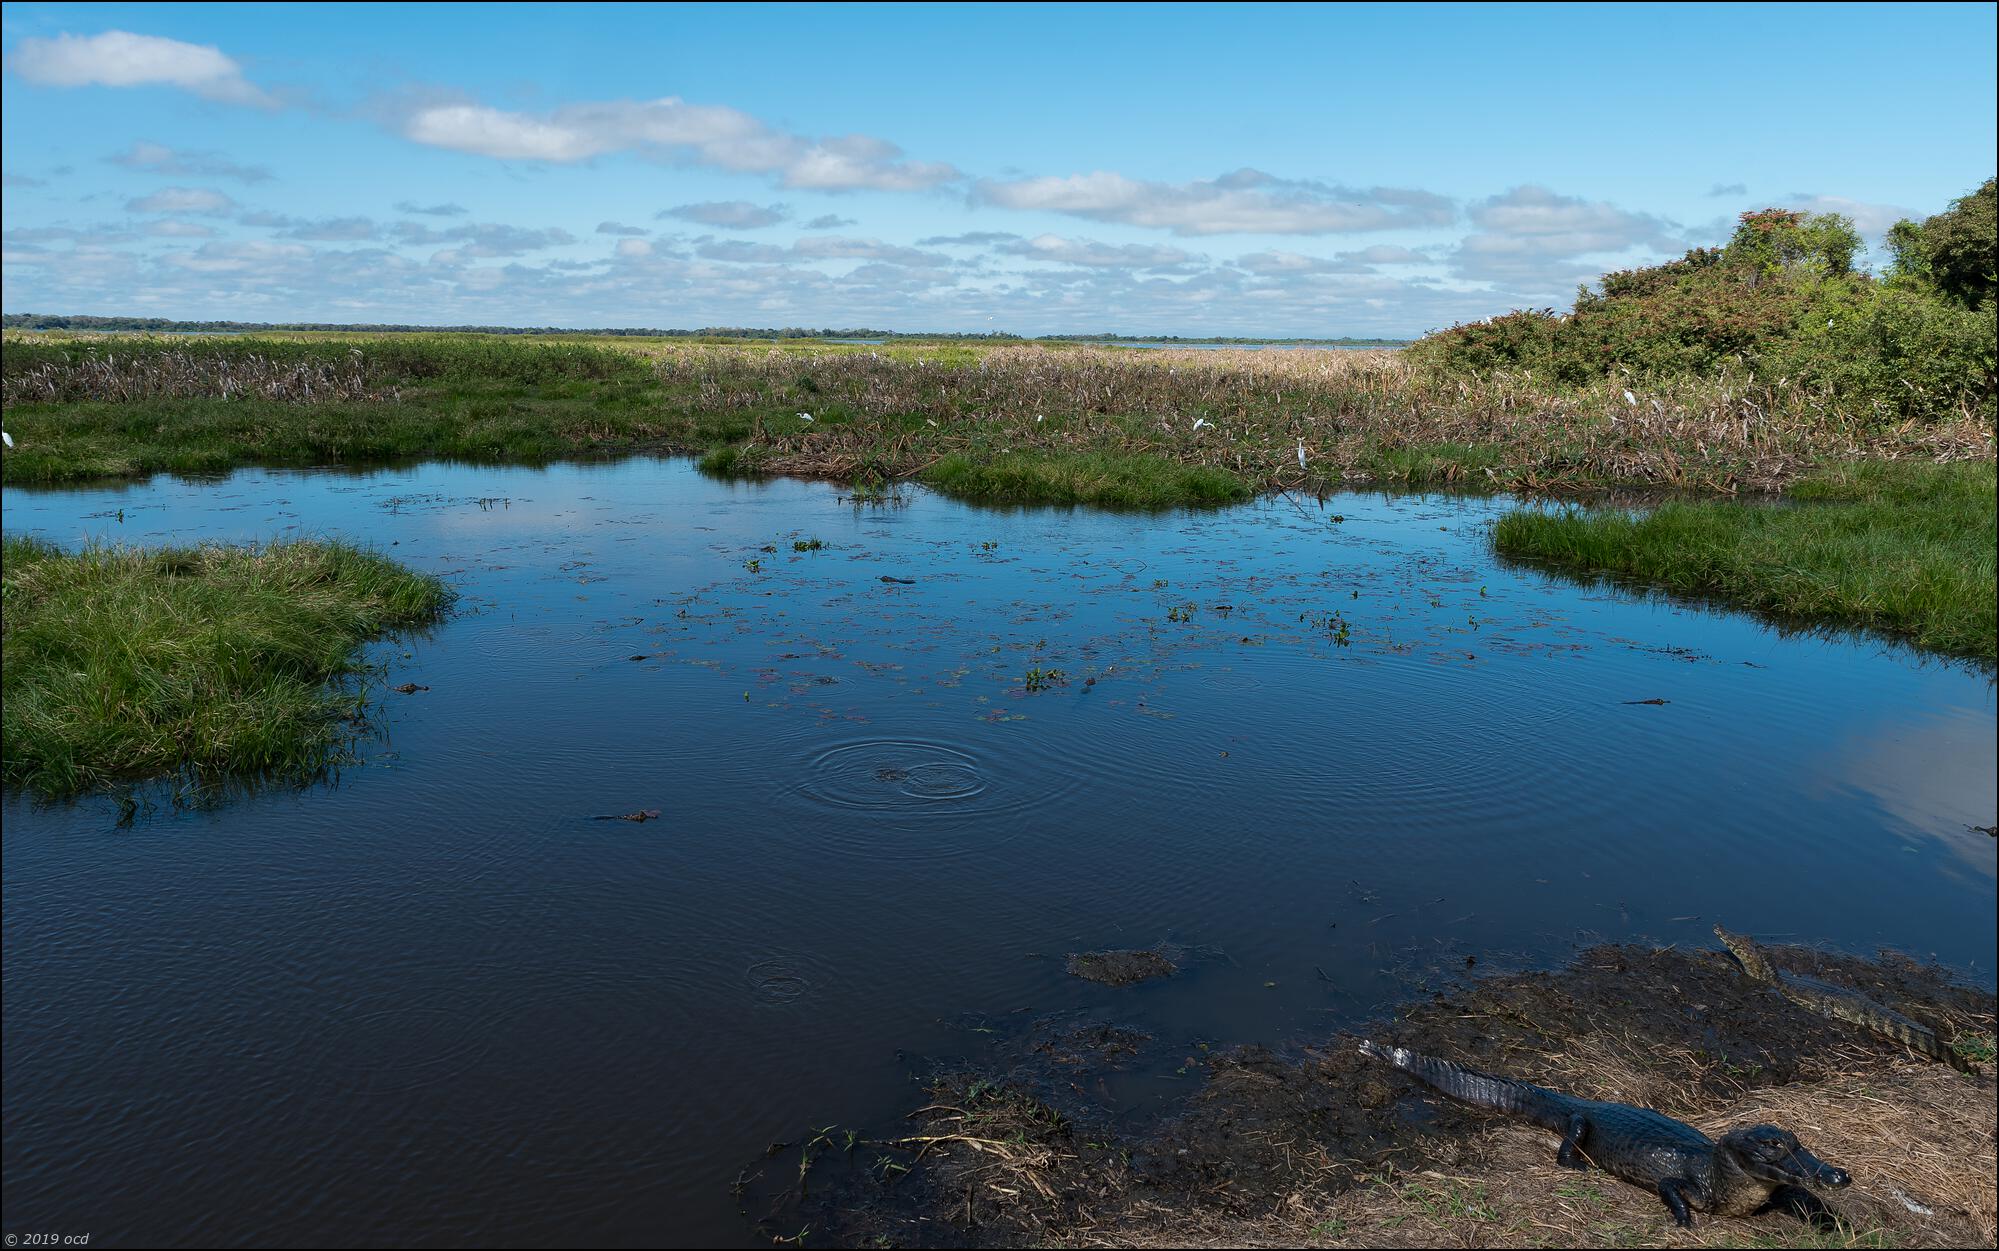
<point x="1954" y="252"/>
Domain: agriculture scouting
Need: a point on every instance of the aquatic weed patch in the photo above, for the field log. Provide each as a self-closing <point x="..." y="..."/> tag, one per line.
<point x="124" y="664"/>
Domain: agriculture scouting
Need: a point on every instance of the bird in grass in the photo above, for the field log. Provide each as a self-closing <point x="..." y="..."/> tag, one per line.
<point x="1301" y="453"/>
<point x="8" y="437"/>
<point x="805" y="416"/>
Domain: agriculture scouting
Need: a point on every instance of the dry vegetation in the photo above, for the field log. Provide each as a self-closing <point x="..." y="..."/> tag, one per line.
<point x="1359" y="415"/>
<point x="1322" y="1147"/>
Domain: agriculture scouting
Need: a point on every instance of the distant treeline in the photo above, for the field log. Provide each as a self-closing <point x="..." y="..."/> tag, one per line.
<point x="164" y="325"/>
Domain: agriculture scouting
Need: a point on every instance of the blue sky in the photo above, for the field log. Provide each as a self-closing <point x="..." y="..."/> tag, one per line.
<point x="1175" y="169"/>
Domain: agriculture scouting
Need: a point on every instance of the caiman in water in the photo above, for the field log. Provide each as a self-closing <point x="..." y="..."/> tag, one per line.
<point x="1751" y="1169"/>
<point x="1839" y="1002"/>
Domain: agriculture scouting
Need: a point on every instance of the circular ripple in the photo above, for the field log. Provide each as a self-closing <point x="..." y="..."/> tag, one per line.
<point x="916" y="797"/>
<point x="778" y="979"/>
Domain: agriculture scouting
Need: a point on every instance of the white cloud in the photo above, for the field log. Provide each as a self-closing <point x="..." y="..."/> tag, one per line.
<point x="184" y="200"/>
<point x="1088" y="252"/>
<point x="155" y="158"/>
<point x="672" y="129"/>
<point x="171" y="229"/>
<point x="332" y="230"/>
<point x="120" y="58"/>
<point x="1872" y="220"/>
<point x="634" y="247"/>
<point x="728" y="214"/>
<point x="841" y="247"/>
<point x="619" y="228"/>
<point x="431" y="210"/>
<point x="1244" y="202"/>
<point x="485" y="239"/>
<point x="1530" y="240"/>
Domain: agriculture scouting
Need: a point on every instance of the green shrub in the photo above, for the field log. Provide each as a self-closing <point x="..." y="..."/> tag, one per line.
<point x="1781" y="300"/>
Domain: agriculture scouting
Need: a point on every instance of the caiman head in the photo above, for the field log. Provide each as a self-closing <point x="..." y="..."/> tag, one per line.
<point x="1775" y="1155"/>
<point x="1747" y="954"/>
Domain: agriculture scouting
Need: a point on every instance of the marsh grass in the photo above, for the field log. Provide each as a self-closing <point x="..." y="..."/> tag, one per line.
<point x="991" y="422"/>
<point x="1906" y="548"/>
<point x="127" y="664"/>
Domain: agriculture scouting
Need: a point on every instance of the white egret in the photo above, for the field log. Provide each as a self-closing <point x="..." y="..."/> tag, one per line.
<point x="1631" y="399"/>
<point x="1301" y="453"/>
<point x="8" y="437"/>
<point x="1199" y="422"/>
<point x="805" y="416"/>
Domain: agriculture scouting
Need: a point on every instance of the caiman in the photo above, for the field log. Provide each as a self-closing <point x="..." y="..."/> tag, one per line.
<point x="1840" y="1002"/>
<point x="1752" y="1169"/>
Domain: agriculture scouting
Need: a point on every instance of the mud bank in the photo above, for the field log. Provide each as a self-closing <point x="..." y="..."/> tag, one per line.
<point x="1315" y="1145"/>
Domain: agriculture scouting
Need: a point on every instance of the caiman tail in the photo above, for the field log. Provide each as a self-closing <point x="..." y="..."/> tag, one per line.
<point x="1524" y="1099"/>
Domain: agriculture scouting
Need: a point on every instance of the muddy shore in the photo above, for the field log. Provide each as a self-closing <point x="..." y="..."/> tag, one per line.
<point x="1315" y="1145"/>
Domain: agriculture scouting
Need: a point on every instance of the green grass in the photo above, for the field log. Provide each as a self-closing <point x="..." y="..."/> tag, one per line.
<point x="204" y="663"/>
<point x="1022" y="424"/>
<point x="1131" y="481"/>
<point x="1906" y="548"/>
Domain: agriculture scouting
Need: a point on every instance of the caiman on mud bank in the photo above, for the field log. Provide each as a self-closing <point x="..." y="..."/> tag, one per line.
<point x="1841" y="1003"/>
<point x="1752" y="1169"/>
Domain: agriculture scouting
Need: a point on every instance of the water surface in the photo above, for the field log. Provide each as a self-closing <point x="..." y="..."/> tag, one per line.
<point x="1331" y="751"/>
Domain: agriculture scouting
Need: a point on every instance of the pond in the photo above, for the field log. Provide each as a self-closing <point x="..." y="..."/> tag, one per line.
<point x="1329" y="751"/>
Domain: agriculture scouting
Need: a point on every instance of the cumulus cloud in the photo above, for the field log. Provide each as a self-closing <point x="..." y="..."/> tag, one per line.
<point x="634" y="247"/>
<point x="619" y="228"/>
<point x="283" y="280"/>
<point x="728" y="214"/>
<point x="1869" y="219"/>
<point x="119" y="58"/>
<point x="172" y="229"/>
<point x="971" y="239"/>
<point x="830" y="221"/>
<point x="486" y="239"/>
<point x="741" y="252"/>
<point x="1280" y="264"/>
<point x="1247" y="201"/>
<point x="155" y="158"/>
<point x="672" y="129"/>
<point x="430" y="210"/>
<point x="817" y="248"/>
<point x="1088" y="252"/>
<point x="184" y="200"/>
<point x="332" y="230"/>
<point x="1530" y="239"/>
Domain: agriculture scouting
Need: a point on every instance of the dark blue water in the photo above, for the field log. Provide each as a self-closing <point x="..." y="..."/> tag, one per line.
<point x="438" y="1003"/>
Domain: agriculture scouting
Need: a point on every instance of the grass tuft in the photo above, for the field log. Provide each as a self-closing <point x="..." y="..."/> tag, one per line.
<point x="1085" y="478"/>
<point x="125" y="664"/>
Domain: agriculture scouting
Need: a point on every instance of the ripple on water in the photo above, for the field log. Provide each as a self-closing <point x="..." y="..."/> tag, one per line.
<point x="785" y="977"/>
<point x="917" y="798"/>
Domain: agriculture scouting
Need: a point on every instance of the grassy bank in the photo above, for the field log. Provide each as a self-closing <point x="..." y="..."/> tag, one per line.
<point x="986" y="421"/>
<point x="1905" y="548"/>
<point x="127" y="664"/>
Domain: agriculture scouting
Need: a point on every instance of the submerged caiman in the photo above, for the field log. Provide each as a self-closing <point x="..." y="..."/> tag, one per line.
<point x="1751" y="1169"/>
<point x="1840" y="1002"/>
